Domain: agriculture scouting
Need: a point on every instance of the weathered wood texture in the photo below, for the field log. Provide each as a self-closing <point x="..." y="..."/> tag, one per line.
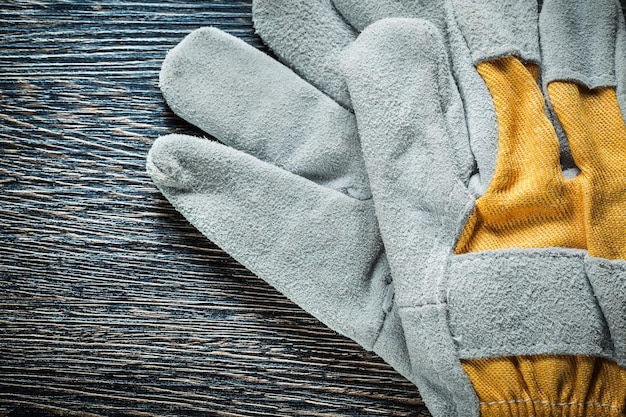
<point x="111" y="303"/>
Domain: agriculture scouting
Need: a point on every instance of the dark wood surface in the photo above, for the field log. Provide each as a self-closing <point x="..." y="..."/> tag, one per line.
<point x="112" y="305"/>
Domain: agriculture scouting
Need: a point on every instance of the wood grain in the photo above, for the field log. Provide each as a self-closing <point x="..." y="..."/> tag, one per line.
<point x="112" y="305"/>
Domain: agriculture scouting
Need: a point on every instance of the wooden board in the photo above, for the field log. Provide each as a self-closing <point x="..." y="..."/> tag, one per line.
<point x="112" y="304"/>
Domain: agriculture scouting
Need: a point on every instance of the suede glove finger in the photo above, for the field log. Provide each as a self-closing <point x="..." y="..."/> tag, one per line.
<point x="289" y="198"/>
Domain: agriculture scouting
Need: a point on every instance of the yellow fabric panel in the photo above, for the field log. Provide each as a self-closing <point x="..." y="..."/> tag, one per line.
<point x="543" y="385"/>
<point x="529" y="204"/>
<point x="597" y="136"/>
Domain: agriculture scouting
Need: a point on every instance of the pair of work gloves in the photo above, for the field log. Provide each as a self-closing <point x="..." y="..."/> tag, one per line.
<point x="443" y="182"/>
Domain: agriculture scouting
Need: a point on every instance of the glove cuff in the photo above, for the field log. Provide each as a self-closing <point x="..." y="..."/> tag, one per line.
<point x="544" y="386"/>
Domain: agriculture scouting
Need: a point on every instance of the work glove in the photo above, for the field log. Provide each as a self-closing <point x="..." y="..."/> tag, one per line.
<point x="284" y="226"/>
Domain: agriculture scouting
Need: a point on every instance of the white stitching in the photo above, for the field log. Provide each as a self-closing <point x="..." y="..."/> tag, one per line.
<point x="528" y="400"/>
<point x="508" y="254"/>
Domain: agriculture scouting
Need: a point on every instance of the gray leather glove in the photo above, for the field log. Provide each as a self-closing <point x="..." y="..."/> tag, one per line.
<point x="295" y="208"/>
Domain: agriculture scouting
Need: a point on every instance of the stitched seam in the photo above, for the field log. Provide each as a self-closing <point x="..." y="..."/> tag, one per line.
<point x="611" y="266"/>
<point x="482" y="351"/>
<point x="420" y="305"/>
<point x="534" y="253"/>
<point x="528" y="400"/>
<point x="386" y="315"/>
<point x="488" y="256"/>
